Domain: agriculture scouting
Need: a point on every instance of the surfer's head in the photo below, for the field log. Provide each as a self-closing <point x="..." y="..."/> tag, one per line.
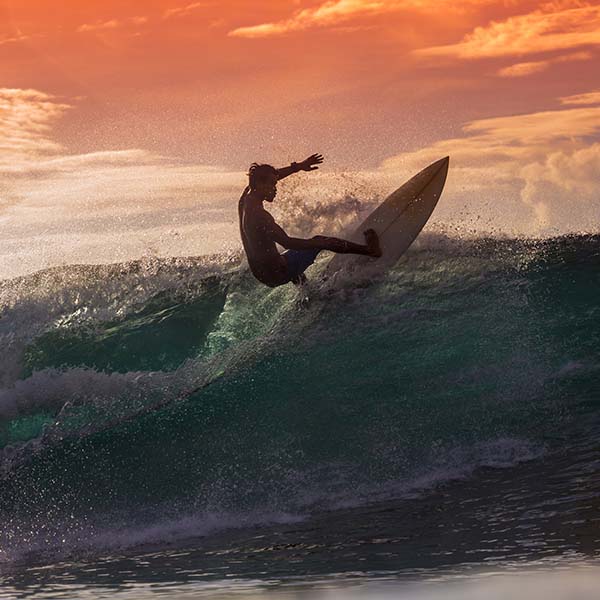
<point x="263" y="180"/>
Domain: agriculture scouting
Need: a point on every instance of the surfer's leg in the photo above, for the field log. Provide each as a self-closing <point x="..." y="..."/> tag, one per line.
<point x="371" y="248"/>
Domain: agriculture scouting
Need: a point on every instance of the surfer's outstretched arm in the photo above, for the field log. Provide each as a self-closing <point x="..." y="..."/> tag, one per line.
<point x="308" y="164"/>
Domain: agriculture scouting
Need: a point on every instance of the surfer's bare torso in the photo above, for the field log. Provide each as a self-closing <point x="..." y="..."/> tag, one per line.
<point x="256" y="225"/>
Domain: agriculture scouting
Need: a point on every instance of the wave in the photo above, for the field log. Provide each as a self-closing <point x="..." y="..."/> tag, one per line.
<point x="161" y="391"/>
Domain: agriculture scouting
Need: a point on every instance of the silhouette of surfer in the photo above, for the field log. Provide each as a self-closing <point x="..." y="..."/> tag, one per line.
<point x="260" y="232"/>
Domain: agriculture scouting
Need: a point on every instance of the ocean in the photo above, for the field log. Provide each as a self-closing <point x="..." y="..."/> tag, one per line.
<point x="169" y="427"/>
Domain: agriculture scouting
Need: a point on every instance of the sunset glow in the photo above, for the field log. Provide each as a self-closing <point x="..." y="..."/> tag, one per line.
<point x="110" y="110"/>
<point x="299" y="299"/>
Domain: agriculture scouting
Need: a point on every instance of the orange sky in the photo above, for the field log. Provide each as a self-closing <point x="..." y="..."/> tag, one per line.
<point x="114" y="92"/>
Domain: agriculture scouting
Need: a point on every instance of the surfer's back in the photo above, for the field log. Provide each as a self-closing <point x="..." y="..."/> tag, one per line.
<point x="264" y="259"/>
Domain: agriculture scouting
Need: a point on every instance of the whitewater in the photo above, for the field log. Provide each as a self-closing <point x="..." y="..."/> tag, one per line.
<point x="174" y="416"/>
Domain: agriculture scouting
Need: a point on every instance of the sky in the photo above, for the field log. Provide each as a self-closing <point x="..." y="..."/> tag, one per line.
<point x="126" y="128"/>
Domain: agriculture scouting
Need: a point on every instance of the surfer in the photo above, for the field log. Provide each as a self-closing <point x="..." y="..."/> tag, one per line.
<point x="260" y="232"/>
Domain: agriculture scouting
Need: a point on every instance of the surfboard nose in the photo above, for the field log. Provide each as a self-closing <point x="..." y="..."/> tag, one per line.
<point x="439" y="164"/>
<point x="438" y="167"/>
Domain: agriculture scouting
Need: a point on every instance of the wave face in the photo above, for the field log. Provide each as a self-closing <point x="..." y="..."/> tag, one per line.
<point x="159" y="399"/>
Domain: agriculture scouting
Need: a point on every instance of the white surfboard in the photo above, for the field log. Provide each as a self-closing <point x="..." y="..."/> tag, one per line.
<point x="398" y="220"/>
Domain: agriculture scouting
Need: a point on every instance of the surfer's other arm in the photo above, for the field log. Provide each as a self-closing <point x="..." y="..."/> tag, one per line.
<point x="321" y="242"/>
<point x="308" y="164"/>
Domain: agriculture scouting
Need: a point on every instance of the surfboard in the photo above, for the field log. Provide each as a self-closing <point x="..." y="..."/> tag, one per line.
<point x="398" y="220"/>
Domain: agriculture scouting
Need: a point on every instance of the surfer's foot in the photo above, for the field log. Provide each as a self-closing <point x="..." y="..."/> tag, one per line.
<point x="372" y="240"/>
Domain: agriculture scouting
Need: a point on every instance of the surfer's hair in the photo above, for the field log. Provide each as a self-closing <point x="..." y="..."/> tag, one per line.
<point x="258" y="174"/>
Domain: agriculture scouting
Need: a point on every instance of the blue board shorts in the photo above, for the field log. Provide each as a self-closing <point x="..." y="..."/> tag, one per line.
<point x="298" y="261"/>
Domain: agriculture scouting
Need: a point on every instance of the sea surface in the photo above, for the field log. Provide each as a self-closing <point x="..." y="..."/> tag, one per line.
<point x="170" y="428"/>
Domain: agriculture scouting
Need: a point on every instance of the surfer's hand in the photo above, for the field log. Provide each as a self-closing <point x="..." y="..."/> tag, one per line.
<point x="309" y="164"/>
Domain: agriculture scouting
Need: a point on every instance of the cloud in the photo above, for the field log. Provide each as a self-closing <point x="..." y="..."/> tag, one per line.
<point x="29" y="155"/>
<point x="588" y="98"/>
<point x="334" y="12"/>
<point x="111" y="207"/>
<point x="329" y="13"/>
<point x="61" y="208"/>
<point x="26" y="119"/>
<point x="111" y="24"/>
<point x="524" y="69"/>
<point x="183" y="10"/>
<point x="528" y="68"/>
<point x="553" y="27"/>
<point x="548" y="156"/>
<point x="565" y="184"/>
<point x="15" y="39"/>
